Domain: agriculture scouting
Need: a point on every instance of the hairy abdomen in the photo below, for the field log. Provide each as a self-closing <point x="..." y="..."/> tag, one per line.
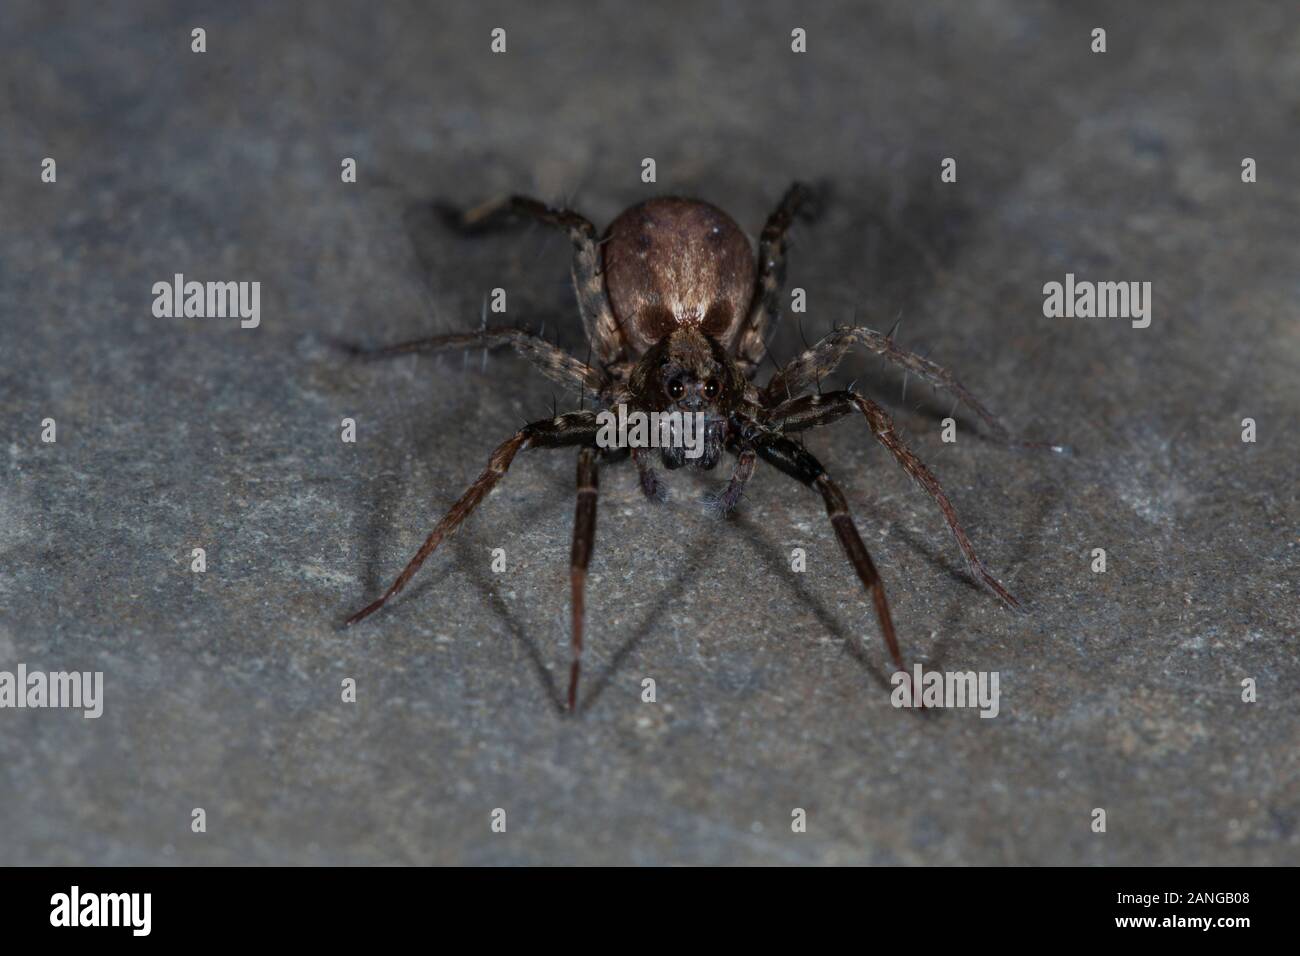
<point x="674" y="262"/>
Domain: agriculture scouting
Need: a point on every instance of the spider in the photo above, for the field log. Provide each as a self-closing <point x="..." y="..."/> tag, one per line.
<point x="677" y="313"/>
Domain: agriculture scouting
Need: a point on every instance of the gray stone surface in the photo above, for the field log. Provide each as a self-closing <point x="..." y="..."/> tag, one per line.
<point x="1119" y="690"/>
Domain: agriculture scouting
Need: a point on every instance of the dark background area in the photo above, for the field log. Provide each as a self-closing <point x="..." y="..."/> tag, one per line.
<point x="1119" y="690"/>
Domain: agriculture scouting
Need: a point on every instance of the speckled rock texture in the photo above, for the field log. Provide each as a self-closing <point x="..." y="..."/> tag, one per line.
<point x="1120" y="690"/>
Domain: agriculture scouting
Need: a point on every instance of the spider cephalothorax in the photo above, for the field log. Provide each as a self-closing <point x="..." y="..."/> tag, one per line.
<point x="677" y="314"/>
<point x="690" y="373"/>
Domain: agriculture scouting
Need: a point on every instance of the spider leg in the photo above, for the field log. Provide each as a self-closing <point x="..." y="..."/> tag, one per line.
<point x="811" y="411"/>
<point x="751" y="341"/>
<point x="584" y="535"/>
<point x="653" y="485"/>
<point x="597" y="314"/>
<point x="556" y="364"/>
<point x="722" y="503"/>
<point x="807" y="411"/>
<point x="819" y="361"/>
<point x="575" y="428"/>
<point x="791" y="458"/>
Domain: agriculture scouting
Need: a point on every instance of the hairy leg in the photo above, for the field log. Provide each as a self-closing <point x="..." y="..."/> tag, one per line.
<point x="575" y="428"/>
<point x="584" y="536"/>
<point x="723" y="502"/>
<point x="807" y="411"/>
<point x="556" y="364"/>
<point x="788" y="456"/>
<point x="751" y="341"/>
<point x="597" y="316"/>
<point x="653" y="485"/>
<point x="812" y="411"/>
<point x="819" y="361"/>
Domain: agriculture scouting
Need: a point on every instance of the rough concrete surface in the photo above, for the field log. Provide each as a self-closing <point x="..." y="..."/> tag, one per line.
<point x="1119" y="690"/>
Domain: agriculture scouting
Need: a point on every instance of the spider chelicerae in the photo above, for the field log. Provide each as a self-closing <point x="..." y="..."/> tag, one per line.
<point x="677" y="315"/>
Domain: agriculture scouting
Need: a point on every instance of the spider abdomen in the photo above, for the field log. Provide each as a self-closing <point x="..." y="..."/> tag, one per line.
<point x="672" y="263"/>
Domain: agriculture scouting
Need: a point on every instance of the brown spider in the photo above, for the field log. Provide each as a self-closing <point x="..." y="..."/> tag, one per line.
<point x="677" y="315"/>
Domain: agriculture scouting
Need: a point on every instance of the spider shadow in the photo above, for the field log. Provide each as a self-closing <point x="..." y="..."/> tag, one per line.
<point x="915" y="234"/>
<point x="379" y="503"/>
<point x="906" y="234"/>
<point x="462" y="562"/>
<point x="379" y="526"/>
<point x="941" y="557"/>
<point x="687" y="570"/>
<point x="427" y="226"/>
<point x="426" y="231"/>
<point x="921" y="399"/>
<point x="484" y="583"/>
<point x="954" y="615"/>
<point x="378" y="495"/>
<point x="829" y="621"/>
<point x="936" y="556"/>
<point x="431" y="224"/>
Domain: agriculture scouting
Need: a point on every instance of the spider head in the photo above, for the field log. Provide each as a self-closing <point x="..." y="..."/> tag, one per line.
<point x="691" y="374"/>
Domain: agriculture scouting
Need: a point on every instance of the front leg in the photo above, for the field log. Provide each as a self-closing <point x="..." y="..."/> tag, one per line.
<point x="813" y="365"/>
<point x="575" y="428"/>
<point x="722" y="503"/>
<point x="812" y="411"/>
<point x="653" y="485"/>
<point x="788" y="456"/>
<point x="584" y="537"/>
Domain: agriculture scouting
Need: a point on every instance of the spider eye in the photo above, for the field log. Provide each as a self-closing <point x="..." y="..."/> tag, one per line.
<point x="711" y="389"/>
<point x="676" y="389"/>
